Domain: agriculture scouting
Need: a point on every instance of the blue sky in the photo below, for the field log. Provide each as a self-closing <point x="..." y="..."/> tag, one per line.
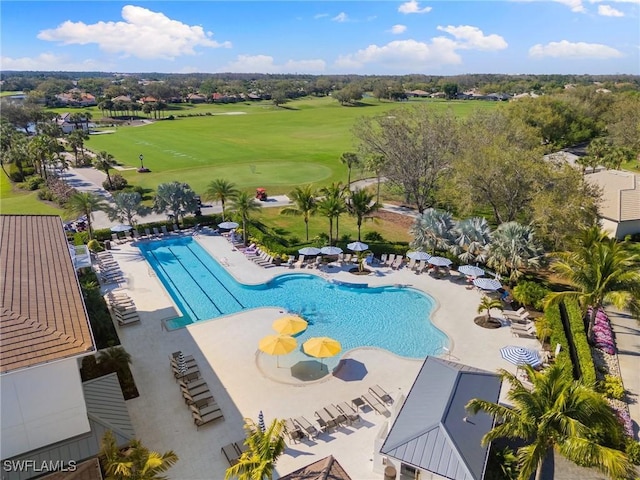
<point x="360" y="37"/>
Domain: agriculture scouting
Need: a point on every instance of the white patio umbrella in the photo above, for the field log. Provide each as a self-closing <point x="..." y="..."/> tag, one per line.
<point x="121" y="228"/>
<point x="471" y="270"/>
<point x="330" y="250"/>
<point x="228" y="225"/>
<point x="487" y="283"/>
<point x="439" y="261"/>
<point x="357" y="246"/>
<point x="418" y="255"/>
<point x="520" y="356"/>
<point x="309" y="251"/>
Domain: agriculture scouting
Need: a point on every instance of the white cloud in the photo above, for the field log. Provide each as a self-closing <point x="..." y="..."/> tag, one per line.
<point x="51" y="62"/>
<point x="578" y="50"/>
<point x="574" y="5"/>
<point x="265" y="64"/>
<point x="616" y="1"/>
<point x="143" y="34"/>
<point x="320" y="15"/>
<point x="398" y="29"/>
<point x="412" y="6"/>
<point x="473" y="38"/>
<point x="341" y="17"/>
<point x="609" y="11"/>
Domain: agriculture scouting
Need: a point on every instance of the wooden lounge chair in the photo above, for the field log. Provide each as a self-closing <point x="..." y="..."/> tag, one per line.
<point x="293" y="431"/>
<point x="383" y="259"/>
<point x="187" y="376"/>
<point x="199" y="400"/>
<point x="336" y="414"/>
<point x="231" y="453"/>
<point x="305" y="425"/>
<point x="421" y="266"/>
<point x="379" y="392"/>
<point x="325" y="420"/>
<point x="195" y="390"/>
<point x="349" y="412"/>
<point x="375" y="404"/>
<point x="397" y="264"/>
<point x="193" y="384"/>
<point x="300" y="262"/>
<point x="202" y="419"/>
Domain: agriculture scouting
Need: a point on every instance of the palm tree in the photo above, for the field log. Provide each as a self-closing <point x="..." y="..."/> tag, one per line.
<point x="221" y="190"/>
<point x="331" y="207"/>
<point x="175" y="199"/>
<point x="472" y="238"/>
<point x="602" y="271"/>
<point x="84" y="204"/>
<point x="351" y="160"/>
<point x="304" y="201"/>
<point x="134" y="462"/>
<point x="432" y="229"/>
<point x="487" y="303"/>
<point x="514" y="247"/>
<point x="104" y="162"/>
<point x="116" y="359"/>
<point x="557" y="413"/>
<point x="243" y="205"/>
<point x="361" y="204"/>
<point x="264" y="448"/>
<point x="76" y="141"/>
<point x="127" y="206"/>
<point x="375" y="163"/>
<point x="336" y="192"/>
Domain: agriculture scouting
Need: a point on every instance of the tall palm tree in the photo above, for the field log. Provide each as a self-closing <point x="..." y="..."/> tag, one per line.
<point x="331" y="207"/>
<point x="76" y="141"/>
<point x="104" y="162"/>
<point x="336" y="192"/>
<point x="135" y="462"/>
<point x="175" y="199"/>
<point x="304" y="201"/>
<point x="513" y="248"/>
<point x="351" y="160"/>
<point x="221" y="190"/>
<point x="360" y="204"/>
<point x="243" y="205"/>
<point x="601" y="271"/>
<point x="375" y="163"/>
<point x="127" y="205"/>
<point x="557" y="413"/>
<point x="472" y="238"/>
<point x="432" y="230"/>
<point x="264" y="448"/>
<point x="85" y="203"/>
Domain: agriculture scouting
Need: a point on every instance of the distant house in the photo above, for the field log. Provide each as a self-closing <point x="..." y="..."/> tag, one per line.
<point x="121" y="98"/>
<point x="76" y="98"/>
<point x="620" y="207"/>
<point x="67" y="125"/>
<point x="433" y="435"/>
<point x="147" y="99"/>
<point x="417" y="93"/>
<point x="196" y="98"/>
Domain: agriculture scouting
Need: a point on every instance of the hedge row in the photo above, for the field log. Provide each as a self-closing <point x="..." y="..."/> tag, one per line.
<point x="583" y="349"/>
<point x="552" y="314"/>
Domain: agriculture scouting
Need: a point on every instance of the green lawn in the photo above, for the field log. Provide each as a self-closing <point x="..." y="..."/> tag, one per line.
<point x="15" y="201"/>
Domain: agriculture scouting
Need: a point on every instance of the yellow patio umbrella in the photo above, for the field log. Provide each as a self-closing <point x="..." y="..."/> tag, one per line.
<point x="321" y="347"/>
<point x="277" y="345"/>
<point x="290" y="325"/>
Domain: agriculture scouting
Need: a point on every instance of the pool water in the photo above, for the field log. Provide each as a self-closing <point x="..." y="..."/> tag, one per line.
<point x="393" y="318"/>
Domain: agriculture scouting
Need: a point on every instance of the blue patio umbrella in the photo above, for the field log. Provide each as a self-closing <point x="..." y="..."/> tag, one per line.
<point x="418" y="255"/>
<point x="520" y="356"/>
<point x="471" y="270"/>
<point x="357" y="246"/>
<point x="330" y="250"/>
<point x="261" y="425"/>
<point x="309" y="251"/>
<point x="121" y="228"/>
<point x="487" y="283"/>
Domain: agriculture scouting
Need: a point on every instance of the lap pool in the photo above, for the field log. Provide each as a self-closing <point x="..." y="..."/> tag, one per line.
<point x="393" y="318"/>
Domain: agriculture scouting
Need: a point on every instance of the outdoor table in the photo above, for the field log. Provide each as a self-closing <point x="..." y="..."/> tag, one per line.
<point x="358" y="403"/>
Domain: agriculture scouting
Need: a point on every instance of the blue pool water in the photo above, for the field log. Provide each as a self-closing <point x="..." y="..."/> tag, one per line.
<point x="393" y="318"/>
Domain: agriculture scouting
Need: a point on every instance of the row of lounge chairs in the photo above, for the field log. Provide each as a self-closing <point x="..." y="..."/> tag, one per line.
<point x="195" y="390"/>
<point x="123" y="307"/>
<point x="107" y="268"/>
<point x="258" y="256"/>
<point x="233" y="451"/>
<point x="521" y="324"/>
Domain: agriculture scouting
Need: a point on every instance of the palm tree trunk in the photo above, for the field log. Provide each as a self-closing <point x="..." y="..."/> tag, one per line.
<point x="306" y="226"/>
<point x="539" y="470"/>
<point x="592" y="323"/>
<point x="359" y="225"/>
<point x="349" y="178"/>
<point x="222" y="201"/>
<point x="330" y="230"/>
<point x="337" y="225"/>
<point x="378" y="191"/>
<point x="244" y="231"/>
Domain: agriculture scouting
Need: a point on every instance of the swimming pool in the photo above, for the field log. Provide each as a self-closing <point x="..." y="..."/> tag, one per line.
<point x="393" y="318"/>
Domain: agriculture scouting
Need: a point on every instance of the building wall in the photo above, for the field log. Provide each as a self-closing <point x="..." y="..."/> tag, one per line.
<point x="620" y="229"/>
<point x="41" y="405"/>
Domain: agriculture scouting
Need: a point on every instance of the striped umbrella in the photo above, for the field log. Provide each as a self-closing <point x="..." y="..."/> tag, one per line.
<point x="261" y="424"/>
<point x="520" y="356"/>
<point x="471" y="270"/>
<point x="440" y="261"/>
<point x="487" y="283"/>
<point x="182" y="363"/>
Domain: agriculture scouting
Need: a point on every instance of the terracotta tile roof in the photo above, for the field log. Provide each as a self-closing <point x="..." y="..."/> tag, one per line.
<point x="42" y="313"/>
<point x="327" y="468"/>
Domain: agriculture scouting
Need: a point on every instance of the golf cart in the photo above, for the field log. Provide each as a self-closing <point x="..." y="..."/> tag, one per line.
<point x="261" y="194"/>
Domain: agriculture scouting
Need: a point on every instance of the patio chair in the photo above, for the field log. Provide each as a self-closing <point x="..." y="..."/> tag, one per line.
<point x="200" y="400"/>
<point x="347" y="258"/>
<point x="293" y="432"/>
<point x="311" y="431"/>
<point x="528" y="331"/>
<point x="176" y="228"/>
<point x="336" y="414"/>
<point x="379" y="392"/>
<point x="421" y="266"/>
<point x="201" y="419"/>
<point x="231" y="453"/>
<point x="316" y="263"/>
<point x="164" y="230"/>
<point x="190" y="374"/>
<point x="195" y="390"/>
<point x="412" y="264"/>
<point x="291" y="261"/>
<point x="136" y="234"/>
<point x="375" y="404"/>
<point x="383" y="259"/>
<point x="397" y="264"/>
<point x="390" y="259"/>
<point x="193" y="384"/>
<point x="300" y="262"/>
<point x="349" y="412"/>
<point x="147" y="233"/>
<point x="325" y="420"/>
<point x="126" y="318"/>
<point x="156" y="232"/>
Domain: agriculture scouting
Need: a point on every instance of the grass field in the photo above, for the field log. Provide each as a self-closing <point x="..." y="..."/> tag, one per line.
<point x="267" y="146"/>
<point x="16" y="201"/>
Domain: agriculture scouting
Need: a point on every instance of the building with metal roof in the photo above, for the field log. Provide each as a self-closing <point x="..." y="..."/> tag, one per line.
<point x="433" y="432"/>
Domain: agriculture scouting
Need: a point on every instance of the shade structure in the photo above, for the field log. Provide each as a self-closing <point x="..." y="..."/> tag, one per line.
<point x="487" y="283"/>
<point x="322" y="347"/>
<point x="330" y="250"/>
<point x="290" y="325"/>
<point x="357" y="246"/>
<point x="309" y="251"/>
<point x="520" y="356"/>
<point x="121" y="228"/>
<point x="418" y="255"/>
<point x="228" y="225"/>
<point x="277" y="345"/>
<point x="471" y="270"/>
<point x="440" y="261"/>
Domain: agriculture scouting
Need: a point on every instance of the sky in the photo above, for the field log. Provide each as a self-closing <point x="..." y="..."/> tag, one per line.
<point x="323" y="37"/>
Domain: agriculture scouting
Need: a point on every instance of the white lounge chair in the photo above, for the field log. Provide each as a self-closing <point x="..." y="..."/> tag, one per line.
<point x="300" y="262"/>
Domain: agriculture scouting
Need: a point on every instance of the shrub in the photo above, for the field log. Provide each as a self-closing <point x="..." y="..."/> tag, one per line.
<point x="94" y="245"/>
<point x="45" y="194"/>
<point x="632" y="449"/>
<point x="80" y="238"/>
<point x="34" y="183"/>
<point x="611" y="387"/>
<point x="530" y="294"/>
<point x="552" y="315"/>
<point x="118" y="182"/>
<point x="373" y="237"/>
<point x="583" y="349"/>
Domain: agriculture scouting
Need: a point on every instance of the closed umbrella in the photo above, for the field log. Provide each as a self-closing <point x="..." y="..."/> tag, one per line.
<point x="121" y="228"/>
<point x="357" y="246"/>
<point x="439" y="261"/>
<point x="487" y="283"/>
<point x="418" y="255"/>
<point x="228" y="225"/>
<point x="261" y="425"/>
<point x="471" y="270"/>
<point x="330" y="250"/>
<point x="290" y="325"/>
<point x="277" y="345"/>
<point x="321" y="347"/>
<point x="309" y="251"/>
<point x="520" y="356"/>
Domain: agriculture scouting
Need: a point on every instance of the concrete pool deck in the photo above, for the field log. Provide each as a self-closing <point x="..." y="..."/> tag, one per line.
<point x="245" y="382"/>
